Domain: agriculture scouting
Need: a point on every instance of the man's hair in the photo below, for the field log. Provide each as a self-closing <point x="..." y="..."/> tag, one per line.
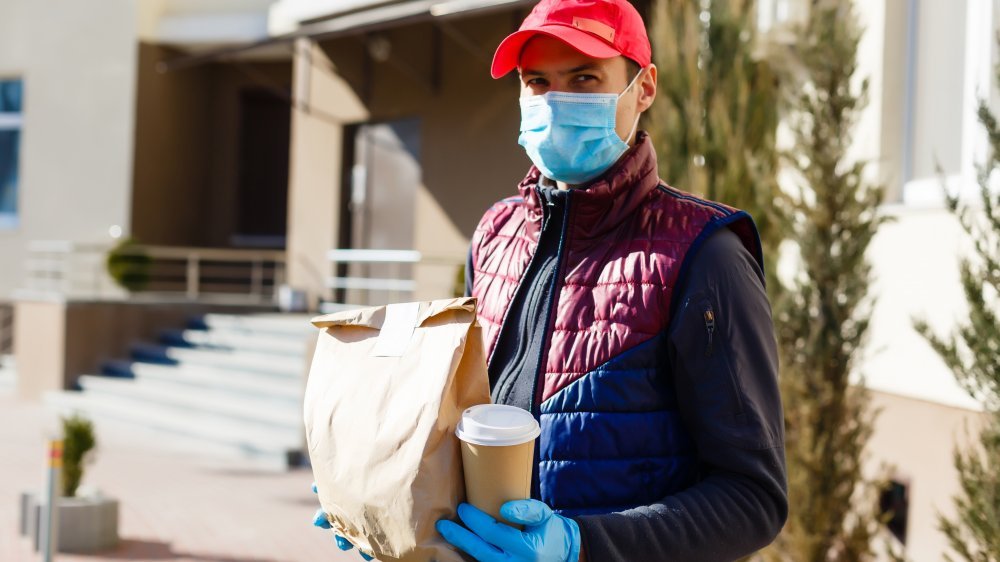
<point x="632" y="69"/>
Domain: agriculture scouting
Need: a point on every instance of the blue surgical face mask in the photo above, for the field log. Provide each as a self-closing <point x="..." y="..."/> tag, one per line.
<point x="570" y="137"/>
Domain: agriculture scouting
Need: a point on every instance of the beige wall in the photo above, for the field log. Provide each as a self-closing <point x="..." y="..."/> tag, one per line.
<point x="78" y="63"/>
<point x="173" y="155"/>
<point x="914" y="439"/>
<point x="39" y="339"/>
<point x="469" y="150"/>
<point x="187" y="141"/>
<point x="323" y="105"/>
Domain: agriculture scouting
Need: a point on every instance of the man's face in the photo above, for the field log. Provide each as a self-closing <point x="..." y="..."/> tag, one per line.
<point x="550" y="65"/>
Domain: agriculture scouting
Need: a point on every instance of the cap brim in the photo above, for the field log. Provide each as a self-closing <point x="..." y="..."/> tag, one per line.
<point x="508" y="54"/>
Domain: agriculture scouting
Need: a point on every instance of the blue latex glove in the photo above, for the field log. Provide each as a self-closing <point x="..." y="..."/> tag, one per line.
<point x="321" y="521"/>
<point x="546" y="537"/>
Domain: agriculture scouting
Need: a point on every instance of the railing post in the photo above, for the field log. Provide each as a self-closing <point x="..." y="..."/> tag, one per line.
<point x="49" y="528"/>
<point x="278" y="278"/>
<point x="257" y="278"/>
<point x="192" y="276"/>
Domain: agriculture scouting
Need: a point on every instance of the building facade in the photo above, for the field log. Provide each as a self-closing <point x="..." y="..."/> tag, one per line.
<point x="307" y="125"/>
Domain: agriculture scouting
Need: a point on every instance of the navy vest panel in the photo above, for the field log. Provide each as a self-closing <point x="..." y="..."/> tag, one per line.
<point x="629" y="446"/>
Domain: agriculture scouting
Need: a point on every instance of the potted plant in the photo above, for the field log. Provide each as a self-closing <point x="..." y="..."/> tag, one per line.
<point x="129" y="265"/>
<point x="88" y="522"/>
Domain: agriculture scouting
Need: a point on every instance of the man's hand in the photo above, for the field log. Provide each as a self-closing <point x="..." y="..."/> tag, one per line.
<point x="321" y="521"/>
<point x="547" y="537"/>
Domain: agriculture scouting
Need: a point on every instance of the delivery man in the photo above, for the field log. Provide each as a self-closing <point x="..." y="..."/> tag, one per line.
<point x="629" y="317"/>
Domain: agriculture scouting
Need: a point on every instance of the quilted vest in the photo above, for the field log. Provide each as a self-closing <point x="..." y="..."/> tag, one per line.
<point x="612" y="438"/>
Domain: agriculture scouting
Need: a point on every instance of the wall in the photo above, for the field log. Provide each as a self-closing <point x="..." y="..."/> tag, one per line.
<point x="469" y="126"/>
<point x="323" y="105"/>
<point x="915" y="270"/>
<point x="78" y="63"/>
<point x="172" y="152"/>
<point x="227" y="82"/>
<point x="913" y="440"/>
<point x="187" y="141"/>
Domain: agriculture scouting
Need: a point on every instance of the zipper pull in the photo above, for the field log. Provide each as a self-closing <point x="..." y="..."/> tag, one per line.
<point x="710" y="329"/>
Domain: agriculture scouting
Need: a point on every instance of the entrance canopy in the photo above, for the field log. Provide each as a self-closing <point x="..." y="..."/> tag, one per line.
<point x="366" y="16"/>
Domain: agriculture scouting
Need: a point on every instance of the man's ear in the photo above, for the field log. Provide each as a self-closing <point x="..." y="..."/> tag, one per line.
<point x="647" y="89"/>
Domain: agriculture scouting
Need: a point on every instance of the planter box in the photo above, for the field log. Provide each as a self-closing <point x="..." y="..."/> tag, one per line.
<point x="87" y="524"/>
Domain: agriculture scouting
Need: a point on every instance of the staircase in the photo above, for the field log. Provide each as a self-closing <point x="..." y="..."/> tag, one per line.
<point x="227" y="387"/>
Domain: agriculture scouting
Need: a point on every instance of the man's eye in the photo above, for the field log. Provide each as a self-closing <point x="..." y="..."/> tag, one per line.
<point x="584" y="78"/>
<point x="537" y="82"/>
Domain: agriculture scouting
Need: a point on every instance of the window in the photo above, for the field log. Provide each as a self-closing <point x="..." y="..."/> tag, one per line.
<point x="895" y="506"/>
<point x="10" y="147"/>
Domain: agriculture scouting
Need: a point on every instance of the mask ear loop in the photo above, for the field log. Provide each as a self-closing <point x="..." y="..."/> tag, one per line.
<point x="635" y="125"/>
<point x="632" y="83"/>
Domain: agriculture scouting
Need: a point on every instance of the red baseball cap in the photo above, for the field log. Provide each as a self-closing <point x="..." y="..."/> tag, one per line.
<point x="597" y="28"/>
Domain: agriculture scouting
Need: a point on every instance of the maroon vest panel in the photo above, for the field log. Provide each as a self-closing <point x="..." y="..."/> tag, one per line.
<point x="626" y="240"/>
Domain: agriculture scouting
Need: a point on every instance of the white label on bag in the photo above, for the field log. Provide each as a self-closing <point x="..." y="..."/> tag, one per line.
<point x="397" y="329"/>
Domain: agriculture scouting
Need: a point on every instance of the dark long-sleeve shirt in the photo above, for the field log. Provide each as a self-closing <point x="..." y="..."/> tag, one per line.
<point x="725" y="377"/>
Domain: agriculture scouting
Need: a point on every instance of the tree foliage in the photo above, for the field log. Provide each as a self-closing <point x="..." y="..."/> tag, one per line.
<point x="715" y="115"/>
<point x="973" y="355"/>
<point x="822" y="317"/>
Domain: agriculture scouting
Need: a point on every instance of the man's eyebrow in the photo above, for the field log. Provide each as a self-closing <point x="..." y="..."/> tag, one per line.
<point x="574" y="70"/>
<point x="581" y="68"/>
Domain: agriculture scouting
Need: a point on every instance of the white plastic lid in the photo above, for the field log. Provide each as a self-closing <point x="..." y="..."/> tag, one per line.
<point x="497" y="425"/>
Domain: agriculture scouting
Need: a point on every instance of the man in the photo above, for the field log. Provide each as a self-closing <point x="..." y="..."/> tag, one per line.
<point x="628" y="316"/>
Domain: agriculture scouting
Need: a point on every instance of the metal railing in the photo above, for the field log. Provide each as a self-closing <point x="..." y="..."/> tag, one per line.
<point x="375" y="277"/>
<point x="81" y="270"/>
<point x="362" y="276"/>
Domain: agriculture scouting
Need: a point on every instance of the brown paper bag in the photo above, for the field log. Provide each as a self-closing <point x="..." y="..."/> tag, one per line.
<point x="385" y="392"/>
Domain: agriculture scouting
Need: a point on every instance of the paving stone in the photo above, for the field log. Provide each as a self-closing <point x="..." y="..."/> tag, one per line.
<point x="173" y="507"/>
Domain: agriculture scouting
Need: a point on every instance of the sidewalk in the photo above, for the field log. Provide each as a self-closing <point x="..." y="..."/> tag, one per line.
<point x="173" y="508"/>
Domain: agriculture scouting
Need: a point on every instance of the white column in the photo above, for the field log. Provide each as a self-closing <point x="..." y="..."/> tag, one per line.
<point x="979" y="37"/>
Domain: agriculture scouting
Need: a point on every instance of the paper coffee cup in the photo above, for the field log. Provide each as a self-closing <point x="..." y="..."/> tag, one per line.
<point x="498" y="453"/>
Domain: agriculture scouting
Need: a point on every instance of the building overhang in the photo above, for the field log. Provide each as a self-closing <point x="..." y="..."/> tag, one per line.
<point x="364" y="16"/>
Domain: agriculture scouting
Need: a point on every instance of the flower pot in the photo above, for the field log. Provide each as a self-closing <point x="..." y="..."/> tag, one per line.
<point x="86" y="524"/>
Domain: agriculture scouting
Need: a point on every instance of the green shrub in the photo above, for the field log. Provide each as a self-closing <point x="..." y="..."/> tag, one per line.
<point x="129" y="265"/>
<point x="78" y="440"/>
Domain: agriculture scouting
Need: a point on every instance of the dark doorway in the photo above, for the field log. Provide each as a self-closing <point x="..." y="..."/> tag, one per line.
<point x="262" y="214"/>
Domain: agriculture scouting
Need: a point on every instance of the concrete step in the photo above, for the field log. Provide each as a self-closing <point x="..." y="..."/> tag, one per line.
<point x="201" y="436"/>
<point x="282" y="325"/>
<point x="228" y="385"/>
<point x="195" y="377"/>
<point x="235" y="340"/>
<point x="151" y="353"/>
<point x="278" y="416"/>
<point x="239" y="360"/>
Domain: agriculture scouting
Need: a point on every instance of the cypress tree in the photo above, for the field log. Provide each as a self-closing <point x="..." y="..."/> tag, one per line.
<point x="972" y="353"/>
<point x="715" y="115"/>
<point x="822" y="317"/>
